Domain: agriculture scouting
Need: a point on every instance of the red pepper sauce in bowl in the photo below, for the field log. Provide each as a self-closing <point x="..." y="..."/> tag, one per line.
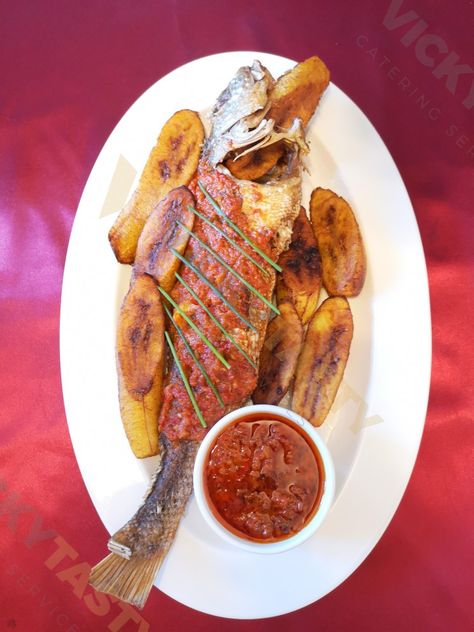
<point x="263" y="478"/>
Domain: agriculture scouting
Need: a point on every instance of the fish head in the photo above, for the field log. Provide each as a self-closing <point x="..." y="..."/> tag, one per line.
<point x="239" y="120"/>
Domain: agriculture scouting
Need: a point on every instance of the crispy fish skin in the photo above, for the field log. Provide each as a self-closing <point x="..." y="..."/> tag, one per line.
<point x="322" y="360"/>
<point x="172" y="162"/>
<point x="140" y="546"/>
<point x="140" y="362"/>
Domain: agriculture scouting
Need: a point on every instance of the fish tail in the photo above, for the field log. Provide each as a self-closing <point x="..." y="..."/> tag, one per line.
<point x="129" y="580"/>
<point x="138" y="549"/>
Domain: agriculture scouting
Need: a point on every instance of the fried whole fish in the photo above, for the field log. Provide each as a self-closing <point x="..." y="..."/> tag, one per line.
<point x="222" y="305"/>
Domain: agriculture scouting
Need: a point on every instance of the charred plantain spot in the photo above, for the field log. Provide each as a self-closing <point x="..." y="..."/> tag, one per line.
<point x="143" y="306"/>
<point x="181" y="164"/>
<point x="134" y="335"/>
<point x="257" y="159"/>
<point x="343" y="243"/>
<point x="147" y="333"/>
<point x="311" y="258"/>
<point x="332" y="341"/>
<point x="332" y="254"/>
<point x="330" y="215"/>
<point x="176" y="141"/>
<point x="171" y="211"/>
<point x="297" y="244"/>
<point x="141" y="391"/>
<point x="154" y="252"/>
<point x="294" y="265"/>
<point x="164" y="169"/>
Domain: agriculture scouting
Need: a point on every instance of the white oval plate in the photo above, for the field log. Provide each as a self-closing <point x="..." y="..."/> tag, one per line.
<point x="377" y="420"/>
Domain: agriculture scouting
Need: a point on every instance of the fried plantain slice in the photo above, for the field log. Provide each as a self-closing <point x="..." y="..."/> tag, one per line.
<point x="255" y="164"/>
<point x="279" y="355"/>
<point x="171" y="163"/>
<point x="322" y="360"/>
<point x="140" y="362"/>
<point x="301" y="268"/>
<point x="160" y="233"/>
<point x="295" y="94"/>
<point x="320" y="195"/>
<point x="283" y="294"/>
<point x="340" y="244"/>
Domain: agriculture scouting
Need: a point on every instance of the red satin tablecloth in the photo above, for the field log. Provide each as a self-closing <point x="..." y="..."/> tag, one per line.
<point x="68" y="72"/>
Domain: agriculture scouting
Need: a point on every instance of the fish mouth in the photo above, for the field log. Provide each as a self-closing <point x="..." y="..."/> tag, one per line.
<point x="238" y="120"/>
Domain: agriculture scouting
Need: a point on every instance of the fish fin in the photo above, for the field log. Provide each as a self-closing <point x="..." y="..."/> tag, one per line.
<point x="129" y="580"/>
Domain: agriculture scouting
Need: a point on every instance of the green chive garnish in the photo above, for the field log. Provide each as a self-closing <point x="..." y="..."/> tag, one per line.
<point x="195" y="328"/>
<point x="195" y="358"/>
<point x="229" y="268"/>
<point x="228" y="221"/>
<point x="209" y="284"/>
<point x="185" y="381"/>
<point x="229" y="239"/>
<point x="214" y="320"/>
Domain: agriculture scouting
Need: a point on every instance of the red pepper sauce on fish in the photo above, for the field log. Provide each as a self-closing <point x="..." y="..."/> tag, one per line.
<point x="177" y="417"/>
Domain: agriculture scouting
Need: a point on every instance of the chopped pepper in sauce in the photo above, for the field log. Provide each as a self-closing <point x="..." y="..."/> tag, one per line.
<point x="264" y="481"/>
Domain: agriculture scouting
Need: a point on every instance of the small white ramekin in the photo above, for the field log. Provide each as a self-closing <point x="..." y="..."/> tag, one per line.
<point x="312" y="437"/>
